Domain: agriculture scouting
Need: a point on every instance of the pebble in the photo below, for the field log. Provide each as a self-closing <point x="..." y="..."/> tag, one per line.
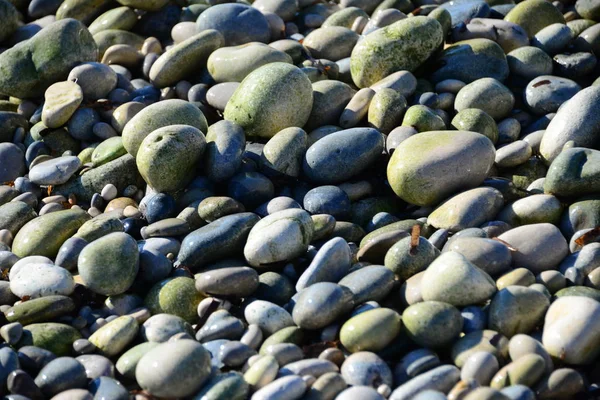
<point x="61" y="374"/>
<point x="55" y="171"/>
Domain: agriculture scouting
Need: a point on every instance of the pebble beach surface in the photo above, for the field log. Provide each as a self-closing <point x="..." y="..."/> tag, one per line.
<point x="299" y="199"/>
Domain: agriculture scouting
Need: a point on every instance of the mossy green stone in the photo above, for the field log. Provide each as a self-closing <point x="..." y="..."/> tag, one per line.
<point x="158" y="115"/>
<point x="40" y="310"/>
<point x="574" y="172"/>
<point x="582" y="291"/>
<point x="177" y="296"/>
<point x="534" y="15"/>
<point x="146" y="5"/>
<point x="10" y="19"/>
<point x="168" y="157"/>
<point x="118" y="18"/>
<point x="529" y="62"/>
<point x="54" y="337"/>
<point x="404" y="260"/>
<point x="345" y="17"/>
<point x="470" y="60"/>
<point x="85" y="155"/>
<point x="185" y="58"/>
<point x="443" y="17"/>
<point x="534" y="209"/>
<point x="424" y="169"/>
<point x="109" y="37"/>
<point x="43" y="236"/>
<point x="271" y="98"/>
<point x="109" y="265"/>
<point x="432" y="324"/>
<point x="403" y="45"/>
<point x="423" y="119"/>
<point x="29" y="67"/>
<point x="386" y="110"/>
<point x="487" y="340"/>
<point x="233" y="64"/>
<point x="284" y="151"/>
<point x="15" y="214"/>
<point x="331" y="42"/>
<point x="82" y="10"/>
<point x="402" y="5"/>
<point x="127" y="363"/>
<point x="230" y="385"/>
<point x="371" y="330"/>
<point x="121" y="172"/>
<point x="517" y="309"/>
<point x="476" y="120"/>
<point x="579" y="25"/>
<point x="290" y="334"/>
<point x="110" y="149"/>
<point x="112" y="338"/>
<point x="99" y="226"/>
<point x="57" y="140"/>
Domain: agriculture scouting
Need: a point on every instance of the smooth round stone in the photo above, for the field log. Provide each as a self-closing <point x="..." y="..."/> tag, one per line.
<point x="480" y="366"/>
<point x="357" y="108"/>
<point x="486" y="94"/>
<point x="341" y="155"/>
<point x="238" y="23"/>
<point x="310" y="366"/>
<point x="233" y="64"/>
<point x="285" y="353"/>
<point x="277" y="204"/>
<point x="30" y="68"/>
<point x="513" y="154"/>
<point x="470" y="60"/>
<point x="489" y="255"/>
<point x="229" y="281"/>
<point x="371" y="330"/>
<point x="213" y="208"/>
<point x="534" y="209"/>
<point x="576" y="121"/>
<point x="281" y="236"/>
<point x="526" y="370"/>
<point x="110" y="149"/>
<point x="581" y="214"/>
<point x="268" y="316"/>
<point x="262" y="372"/>
<point x="573" y="172"/>
<point x="517" y="309"/>
<point x="441" y="379"/>
<point x="113" y="337"/>
<point x="234" y="353"/>
<point x="218" y="95"/>
<point x="467" y="210"/>
<point x="220" y="325"/>
<point x="371" y="283"/>
<point x="62" y="99"/>
<point x="14" y="215"/>
<point x="271" y="98"/>
<point x="423" y="119"/>
<point x="283" y="153"/>
<point x="476" y="120"/>
<point x="546" y="93"/>
<point x="331" y="43"/>
<point x="225" y="143"/>
<point x="185" y="58"/>
<point x="563" y="383"/>
<point x="55" y="171"/>
<point x="453" y="279"/>
<point x="386" y="110"/>
<point x="33" y="359"/>
<point x="360" y="392"/>
<point x="572" y="335"/>
<point x="109" y="265"/>
<point x="158" y="115"/>
<point x="81" y="124"/>
<point x="410" y="174"/>
<point x="405" y="261"/>
<point x="127" y="363"/>
<point x="393" y="49"/>
<point x="534" y="15"/>
<point x="121" y="18"/>
<point x="413" y="364"/>
<point x="13" y="162"/>
<point x="107" y="387"/>
<point x="288" y="387"/>
<point x="61" y="374"/>
<point x="168" y="156"/>
<point x="553" y="38"/>
<point x="366" y="369"/>
<point x="275" y="288"/>
<point x="95" y="79"/>
<point x="432" y="324"/>
<point x="176" y="368"/>
<point x="540" y="247"/>
<point x="327" y="200"/>
<point x="38" y="280"/>
<point x="176" y="296"/>
<point x="516" y="277"/>
<point x="508" y="35"/>
<point x="124" y="113"/>
<point x="529" y="62"/>
<point x="96" y="366"/>
<point x="161" y="327"/>
<point x="329" y="99"/>
<point x="521" y="345"/>
<point x="330" y="264"/>
<point x="40" y="309"/>
<point x="487" y="340"/>
<point x="321" y="304"/>
<point x="159" y="206"/>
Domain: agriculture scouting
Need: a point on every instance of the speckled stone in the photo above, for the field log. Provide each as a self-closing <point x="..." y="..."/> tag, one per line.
<point x="486" y="94"/>
<point x="61" y="374"/>
<point x="158" y="115"/>
<point x="40" y="309"/>
<point x="122" y="18"/>
<point x="177" y="296"/>
<point x="271" y="98"/>
<point x="57" y="338"/>
<point x="284" y="151"/>
<point x="238" y="23"/>
<point x="534" y="15"/>
<point x="168" y="157"/>
<point x="230" y="385"/>
<point x="371" y="330"/>
<point x="109" y="265"/>
<point x="414" y="170"/>
<point x="432" y="324"/>
<point x="394" y="48"/>
<point x="14" y="215"/>
<point x="517" y="309"/>
<point x="330" y="264"/>
<point x="40" y="236"/>
<point x="476" y="120"/>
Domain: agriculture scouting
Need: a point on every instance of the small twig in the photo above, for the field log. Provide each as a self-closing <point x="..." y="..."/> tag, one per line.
<point x="414" y="239"/>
